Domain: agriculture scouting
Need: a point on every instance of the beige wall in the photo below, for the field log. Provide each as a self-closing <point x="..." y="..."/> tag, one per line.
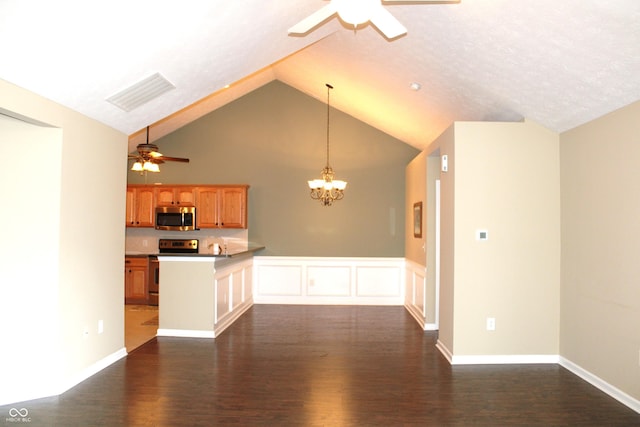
<point x="600" y="323"/>
<point x="274" y="139"/>
<point x="504" y="178"/>
<point x="507" y="182"/>
<point x="416" y="191"/>
<point x="68" y="271"/>
<point x="443" y="145"/>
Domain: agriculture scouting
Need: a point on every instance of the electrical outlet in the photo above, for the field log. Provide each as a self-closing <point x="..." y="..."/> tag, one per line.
<point x="145" y="243"/>
<point x="85" y="333"/>
<point x="491" y="323"/>
<point x="100" y="326"/>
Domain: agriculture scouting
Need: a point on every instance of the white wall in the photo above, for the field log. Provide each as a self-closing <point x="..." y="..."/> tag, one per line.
<point x="74" y="243"/>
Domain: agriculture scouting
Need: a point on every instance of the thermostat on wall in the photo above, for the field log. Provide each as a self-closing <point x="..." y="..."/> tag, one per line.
<point x="482" y="234"/>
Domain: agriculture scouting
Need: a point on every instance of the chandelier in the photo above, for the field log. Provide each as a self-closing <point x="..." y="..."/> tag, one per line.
<point x="327" y="189"/>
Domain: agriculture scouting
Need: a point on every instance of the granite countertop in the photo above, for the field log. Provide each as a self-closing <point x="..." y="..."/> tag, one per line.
<point x="229" y="254"/>
<point x="233" y="252"/>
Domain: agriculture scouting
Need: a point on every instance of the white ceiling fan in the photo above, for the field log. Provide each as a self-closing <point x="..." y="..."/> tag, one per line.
<point x="358" y="12"/>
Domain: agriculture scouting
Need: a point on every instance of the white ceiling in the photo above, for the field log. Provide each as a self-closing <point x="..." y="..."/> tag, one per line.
<point x="559" y="63"/>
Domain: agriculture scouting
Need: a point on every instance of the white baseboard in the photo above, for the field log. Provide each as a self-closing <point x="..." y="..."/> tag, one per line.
<point x="419" y="317"/>
<point x="444" y="350"/>
<point x="431" y="327"/>
<point x="93" y="369"/>
<point x="592" y="379"/>
<point x="504" y="359"/>
<point x="185" y="333"/>
<point x="497" y="359"/>
<point x="599" y="383"/>
<point x="232" y="317"/>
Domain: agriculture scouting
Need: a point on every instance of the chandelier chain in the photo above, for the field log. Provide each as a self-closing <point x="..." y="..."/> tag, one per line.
<point x="329" y="87"/>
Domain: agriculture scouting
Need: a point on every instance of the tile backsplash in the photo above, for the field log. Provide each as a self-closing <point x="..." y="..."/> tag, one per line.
<point x="145" y="240"/>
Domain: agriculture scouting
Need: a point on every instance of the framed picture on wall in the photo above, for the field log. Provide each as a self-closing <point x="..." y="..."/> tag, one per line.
<point x="417" y="219"/>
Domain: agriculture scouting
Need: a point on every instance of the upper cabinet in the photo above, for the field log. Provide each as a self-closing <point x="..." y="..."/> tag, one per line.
<point x="175" y="196"/>
<point x="221" y="206"/>
<point x="217" y="206"/>
<point x="140" y="206"/>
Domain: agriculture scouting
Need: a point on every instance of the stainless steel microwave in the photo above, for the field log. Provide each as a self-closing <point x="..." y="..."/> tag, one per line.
<point x="178" y="218"/>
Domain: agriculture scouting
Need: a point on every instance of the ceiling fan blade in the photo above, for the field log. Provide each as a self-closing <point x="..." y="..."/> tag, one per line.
<point x="313" y="20"/>
<point x="171" y="159"/>
<point x="155" y="154"/>
<point x="387" y="23"/>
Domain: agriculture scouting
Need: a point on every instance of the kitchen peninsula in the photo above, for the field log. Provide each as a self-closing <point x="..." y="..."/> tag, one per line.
<point x="202" y="294"/>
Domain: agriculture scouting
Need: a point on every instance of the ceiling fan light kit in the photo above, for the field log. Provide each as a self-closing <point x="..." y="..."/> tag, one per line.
<point x="355" y="12"/>
<point x="148" y="158"/>
<point x="359" y="12"/>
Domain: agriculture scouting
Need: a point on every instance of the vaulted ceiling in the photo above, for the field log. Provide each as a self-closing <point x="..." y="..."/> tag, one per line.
<point x="559" y="63"/>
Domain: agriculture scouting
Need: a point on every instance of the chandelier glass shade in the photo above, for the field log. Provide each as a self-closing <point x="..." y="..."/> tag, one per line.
<point x="326" y="189"/>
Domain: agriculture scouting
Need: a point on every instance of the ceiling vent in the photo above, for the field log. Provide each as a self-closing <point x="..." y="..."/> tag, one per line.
<point x="141" y="92"/>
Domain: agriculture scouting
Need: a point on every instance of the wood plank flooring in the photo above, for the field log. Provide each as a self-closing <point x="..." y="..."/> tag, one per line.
<point x="138" y="325"/>
<point x="322" y="366"/>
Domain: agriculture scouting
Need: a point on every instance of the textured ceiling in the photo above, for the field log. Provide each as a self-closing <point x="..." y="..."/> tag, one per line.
<point x="559" y="63"/>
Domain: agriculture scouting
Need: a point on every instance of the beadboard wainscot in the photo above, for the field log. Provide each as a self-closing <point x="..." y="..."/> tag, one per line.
<point x="330" y="281"/>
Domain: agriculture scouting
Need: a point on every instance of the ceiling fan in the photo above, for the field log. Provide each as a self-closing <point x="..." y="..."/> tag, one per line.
<point x="358" y="12"/>
<point x="148" y="158"/>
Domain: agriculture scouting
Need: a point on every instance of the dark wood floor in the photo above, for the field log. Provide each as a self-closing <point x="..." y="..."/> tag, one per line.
<point x="322" y="366"/>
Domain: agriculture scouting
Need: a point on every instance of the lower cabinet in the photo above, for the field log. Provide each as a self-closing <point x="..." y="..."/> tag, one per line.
<point x="136" y="280"/>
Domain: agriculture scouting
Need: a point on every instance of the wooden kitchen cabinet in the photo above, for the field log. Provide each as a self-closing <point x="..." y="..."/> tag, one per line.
<point x="140" y="206"/>
<point x="217" y="206"/>
<point x="221" y="206"/>
<point x="175" y="196"/>
<point x="136" y="282"/>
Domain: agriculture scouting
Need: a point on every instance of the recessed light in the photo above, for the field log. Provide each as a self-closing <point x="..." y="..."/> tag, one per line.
<point x="415" y="86"/>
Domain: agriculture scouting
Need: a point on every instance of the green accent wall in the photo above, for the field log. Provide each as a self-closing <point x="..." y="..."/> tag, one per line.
<point x="274" y="139"/>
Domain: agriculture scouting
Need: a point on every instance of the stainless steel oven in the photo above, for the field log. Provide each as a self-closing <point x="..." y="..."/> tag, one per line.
<point x="167" y="246"/>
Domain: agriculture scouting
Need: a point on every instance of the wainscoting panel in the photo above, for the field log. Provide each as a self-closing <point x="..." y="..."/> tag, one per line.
<point x="415" y="294"/>
<point x="328" y="281"/>
<point x="325" y="280"/>
<point x="277" y="280"/>
<point x="377" y="280"/>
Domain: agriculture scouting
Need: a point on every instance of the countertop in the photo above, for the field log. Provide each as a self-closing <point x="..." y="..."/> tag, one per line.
<point x="229" y="254"/>
<point x="235" y="252"/>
